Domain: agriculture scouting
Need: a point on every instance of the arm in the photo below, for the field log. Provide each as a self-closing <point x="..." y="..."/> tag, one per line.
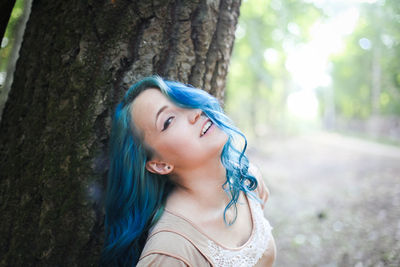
<point x="261" y="190"/>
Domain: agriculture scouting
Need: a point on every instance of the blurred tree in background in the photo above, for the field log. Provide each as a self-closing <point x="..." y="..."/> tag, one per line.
<point x="300" y="66"/>
<point x="275" y="68"/>
<point x="11" y="42"/>
<point x="366" y="75"/>
<point x="9" y="37"/>
<point x="258" y="82"/>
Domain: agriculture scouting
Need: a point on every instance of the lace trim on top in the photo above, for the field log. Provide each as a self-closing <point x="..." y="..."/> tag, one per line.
<point x="252" y="250"/>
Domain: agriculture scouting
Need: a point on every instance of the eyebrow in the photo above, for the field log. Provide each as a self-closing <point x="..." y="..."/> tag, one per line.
<point x="158" y="113"/>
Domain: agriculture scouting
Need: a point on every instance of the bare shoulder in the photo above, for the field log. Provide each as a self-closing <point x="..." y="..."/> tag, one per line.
<point x="262" y="190"/>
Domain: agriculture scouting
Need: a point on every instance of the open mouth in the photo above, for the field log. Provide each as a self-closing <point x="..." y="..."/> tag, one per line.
<point x="206" y="127"/>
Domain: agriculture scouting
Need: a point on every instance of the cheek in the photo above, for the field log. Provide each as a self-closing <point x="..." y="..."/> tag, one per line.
<point x="181" y="147"/>
<point x="174" y="148"/>
<point x="181" y="153"/>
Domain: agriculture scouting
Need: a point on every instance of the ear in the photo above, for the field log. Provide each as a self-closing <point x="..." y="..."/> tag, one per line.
<point x="159" y="167"/>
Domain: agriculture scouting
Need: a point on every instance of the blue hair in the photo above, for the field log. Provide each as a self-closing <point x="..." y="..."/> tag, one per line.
<point x="136" y="197"/>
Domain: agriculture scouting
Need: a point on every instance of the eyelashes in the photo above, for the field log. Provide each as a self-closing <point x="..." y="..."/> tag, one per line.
<point x="167" y="123"/>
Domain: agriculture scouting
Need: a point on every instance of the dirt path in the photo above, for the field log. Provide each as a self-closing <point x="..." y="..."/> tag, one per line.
<point x="335" y="200"/>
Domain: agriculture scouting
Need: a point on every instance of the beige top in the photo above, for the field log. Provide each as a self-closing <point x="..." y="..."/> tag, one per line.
<point x="176" y="241"/>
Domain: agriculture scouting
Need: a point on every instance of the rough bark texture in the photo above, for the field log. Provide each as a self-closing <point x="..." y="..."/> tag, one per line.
<point x="76" y="61"/>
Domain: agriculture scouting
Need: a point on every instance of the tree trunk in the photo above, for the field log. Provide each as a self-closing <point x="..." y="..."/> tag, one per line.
<point x="76" y="61"/>
<point x="376" y="81"/>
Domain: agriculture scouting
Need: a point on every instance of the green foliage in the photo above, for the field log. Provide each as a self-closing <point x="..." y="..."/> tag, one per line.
<point x="257" y="80"/>
<point x="9" y="36"/>
<point x="365" y="75"/>
<point x="362" y="71"/>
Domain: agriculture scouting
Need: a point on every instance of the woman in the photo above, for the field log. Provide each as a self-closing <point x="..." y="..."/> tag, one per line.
<point x="179" y="192"/>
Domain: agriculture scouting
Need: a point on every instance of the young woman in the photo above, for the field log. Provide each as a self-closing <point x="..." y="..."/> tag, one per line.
<point x="179" y="192"/>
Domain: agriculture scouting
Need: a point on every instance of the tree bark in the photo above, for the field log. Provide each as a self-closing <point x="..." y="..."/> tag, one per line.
<point x="76" y="61"/>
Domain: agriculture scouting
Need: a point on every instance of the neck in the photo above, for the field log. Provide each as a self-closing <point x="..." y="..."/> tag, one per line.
<point x="203" y="184"/>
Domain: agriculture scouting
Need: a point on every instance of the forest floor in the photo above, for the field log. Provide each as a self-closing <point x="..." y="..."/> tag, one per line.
<point x="334" y="200"/>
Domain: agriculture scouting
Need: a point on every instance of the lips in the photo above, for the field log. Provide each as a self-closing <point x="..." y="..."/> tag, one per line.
<point x="207" y="125"/>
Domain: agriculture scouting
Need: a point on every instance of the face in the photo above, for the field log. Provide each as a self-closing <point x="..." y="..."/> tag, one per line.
<point x="182" y="138"/>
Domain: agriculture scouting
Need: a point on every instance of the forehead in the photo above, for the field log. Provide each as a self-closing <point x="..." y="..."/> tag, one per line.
<point x="145" y="107"/>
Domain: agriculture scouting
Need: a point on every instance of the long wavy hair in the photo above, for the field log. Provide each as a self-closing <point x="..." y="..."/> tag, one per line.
<point x="136" y="197"/>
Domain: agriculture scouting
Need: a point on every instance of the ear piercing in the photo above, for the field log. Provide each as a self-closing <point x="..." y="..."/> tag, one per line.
<point x="168" y="167"/>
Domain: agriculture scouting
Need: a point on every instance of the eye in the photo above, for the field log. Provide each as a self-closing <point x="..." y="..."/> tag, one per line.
<point x="167" y="123"/>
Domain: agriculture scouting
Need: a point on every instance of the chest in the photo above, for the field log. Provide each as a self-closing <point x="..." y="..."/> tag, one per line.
<point x="258" y="250"/>
<point x="254" y="249"/>
<point x="230" y="236"/>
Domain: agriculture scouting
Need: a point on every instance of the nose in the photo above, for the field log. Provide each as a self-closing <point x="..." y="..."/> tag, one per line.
<point x="194" y="115"/>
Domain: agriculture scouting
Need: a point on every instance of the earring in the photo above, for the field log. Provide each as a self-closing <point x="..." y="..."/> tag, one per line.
<point x="168" y="167"/>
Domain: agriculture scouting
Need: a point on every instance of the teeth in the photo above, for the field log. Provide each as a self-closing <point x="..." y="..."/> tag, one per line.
<point x="206" y="127"/>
